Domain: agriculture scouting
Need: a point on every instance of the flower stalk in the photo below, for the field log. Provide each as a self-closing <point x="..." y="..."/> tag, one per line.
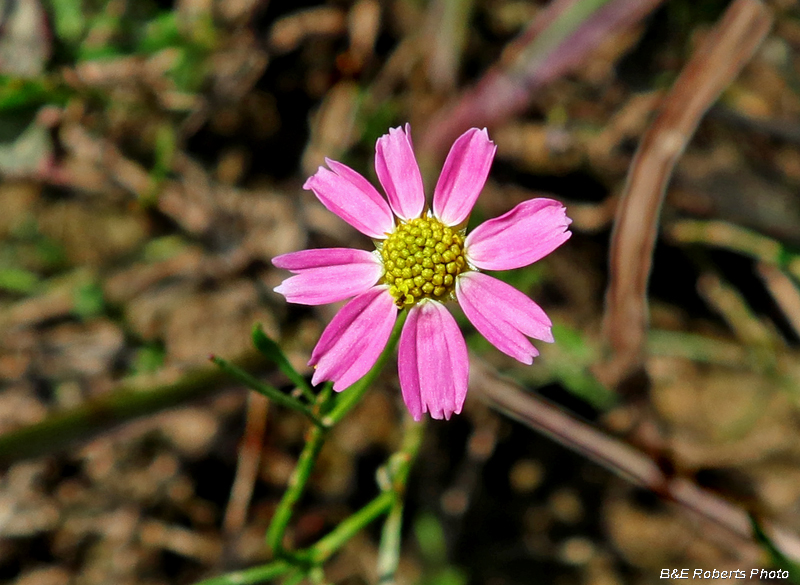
<point x="397" y="469"/>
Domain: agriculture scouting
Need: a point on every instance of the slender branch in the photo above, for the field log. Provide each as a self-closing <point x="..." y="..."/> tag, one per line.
<point x="297" y="482"/>
<point x="696" y="347"/>
<point x="739" y="239"/>
<point x="273" y="351"/>
<point x="348" y="528"/>
<point x="399" y="468"/>
<point x="784" y="291"/>
<point x="389" y="551"/>
<point x="303" y="563"/>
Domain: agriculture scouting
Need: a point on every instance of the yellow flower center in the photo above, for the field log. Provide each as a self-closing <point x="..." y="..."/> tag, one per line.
<point x="422" y="259"/>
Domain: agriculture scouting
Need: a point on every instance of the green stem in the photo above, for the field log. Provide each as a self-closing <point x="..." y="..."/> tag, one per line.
<point x="399" y="466"/>
<point x="389" y="551"/>
<point x="733" y="237"/>
<point x="137" y="397"/>
<point x="297" y="484"/>
<point x="269" y="391"/>
<point x="249" y="576"/>
<point x="353" y="394"/>
<point x="296" y="577"/>
<point x="348" y="528"/>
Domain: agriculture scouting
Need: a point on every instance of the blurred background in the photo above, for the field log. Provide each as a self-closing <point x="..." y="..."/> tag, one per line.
<point x="152" y="155"/>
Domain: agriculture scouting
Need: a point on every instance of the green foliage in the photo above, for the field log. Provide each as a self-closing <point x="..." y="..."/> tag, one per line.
<point x="446" y="576"/>
<point x="103" y="38"/>
<point x="779" y="559"/>
<point x="161" y="32"/>
<point x="433" y="548"/>
<point x="68" y="20"/>
<point x="17" y="93"/>
<point x="265" y="389"/>
<point x="430" y="537"/>
<point x="570" y="366"/>
<point x="163" y="248"/>
<point x="17" y="280"/>
<point x="273" y="352"/>
<point x="29" y="249"/>
<point x="88" y="300"/>
<point x="149" y="358"/>
<point x="376" y="120"/>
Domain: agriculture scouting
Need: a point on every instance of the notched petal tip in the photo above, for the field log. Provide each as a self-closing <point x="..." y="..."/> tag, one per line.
<point x="349" y="195"/>
<point x="463" y="176"/>
<point x="503" y="315"/>
<point x="399" y="174"/>
<point x="433" y="364"/>
<point x="520" y="237"/>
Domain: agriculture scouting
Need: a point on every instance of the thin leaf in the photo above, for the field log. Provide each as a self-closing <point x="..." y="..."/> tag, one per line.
<point x="269" y="391"/>
<point x="273" y="352"/>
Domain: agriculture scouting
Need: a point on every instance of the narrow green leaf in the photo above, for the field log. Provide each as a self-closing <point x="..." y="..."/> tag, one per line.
<point x="260" y="574"/>
<point x="273" y="352"/>
<point x="269" y="391"/>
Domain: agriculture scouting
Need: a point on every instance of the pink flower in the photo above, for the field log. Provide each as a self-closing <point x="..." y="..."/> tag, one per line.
<point x="421" y="262"/>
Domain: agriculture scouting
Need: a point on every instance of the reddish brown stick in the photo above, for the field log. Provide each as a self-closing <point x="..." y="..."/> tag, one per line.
<point x="617" y="456"/>
<point x="715" y="63"/>
<point x="527" y="64"/>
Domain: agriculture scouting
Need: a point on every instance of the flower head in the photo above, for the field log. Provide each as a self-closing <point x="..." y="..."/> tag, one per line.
<point x="423" y="259"/>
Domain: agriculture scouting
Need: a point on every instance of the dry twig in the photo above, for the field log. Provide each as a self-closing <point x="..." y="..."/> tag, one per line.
<point x="559" y="39"/>
<point x="616" y="456"/>
<point x="716" y="62"/>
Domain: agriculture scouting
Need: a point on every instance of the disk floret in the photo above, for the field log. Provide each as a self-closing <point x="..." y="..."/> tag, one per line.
<point x="422" y="259"/>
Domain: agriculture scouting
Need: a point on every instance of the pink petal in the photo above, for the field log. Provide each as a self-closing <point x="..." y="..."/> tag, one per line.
<point x="432" y="362"/>
<point x="353" y="340"/>
<point x="399" y="174"/>
<point x="350" y="196"/>
<point x="530" y="231"/>
<point x="327" y="275"/>
<point x="503" y="315"/>
<point x="463" y="176"/>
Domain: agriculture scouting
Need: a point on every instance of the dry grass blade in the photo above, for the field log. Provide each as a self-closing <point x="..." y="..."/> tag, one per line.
<point x="784" y="291"/>
<point x="716" y="62"/>
<point x="559" y="39"/>
<point x="247" y="466"/>
<point x="616" y="456"/>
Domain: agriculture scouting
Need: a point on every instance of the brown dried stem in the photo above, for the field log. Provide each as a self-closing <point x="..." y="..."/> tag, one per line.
<point x="716" y="62"/>
<point x="616" y="456"/>
<point x="247" y="465"/>
<point x="559" y="39"/>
